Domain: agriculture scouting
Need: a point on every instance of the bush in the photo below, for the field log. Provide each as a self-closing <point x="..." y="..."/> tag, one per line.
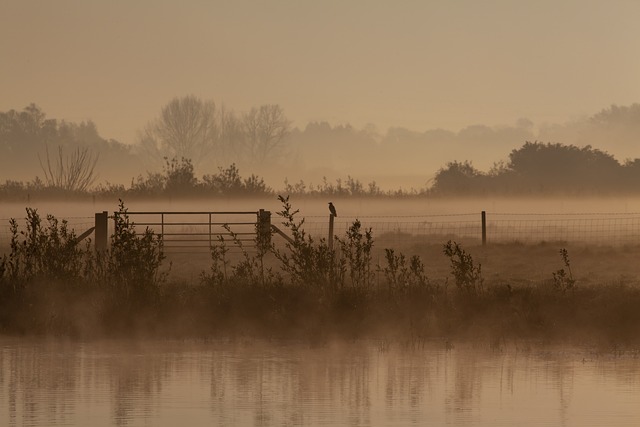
<point x="43" y="251"/>
<point x="563" y="279"/>
<point x="400" y="277"/>
<point x="308" y="263"/>
<point x="356" y="251"/>
<point x="468" y="277"/>
<point x="132" y="264"/>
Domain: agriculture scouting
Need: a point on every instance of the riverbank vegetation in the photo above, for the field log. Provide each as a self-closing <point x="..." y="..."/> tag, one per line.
<point x="53" y="285"/>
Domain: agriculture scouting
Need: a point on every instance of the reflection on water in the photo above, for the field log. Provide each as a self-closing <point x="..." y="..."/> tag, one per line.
<point x="251" y="383"/>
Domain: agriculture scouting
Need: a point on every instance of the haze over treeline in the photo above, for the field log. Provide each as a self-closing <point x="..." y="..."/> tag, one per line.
<point x="262" y="141"/>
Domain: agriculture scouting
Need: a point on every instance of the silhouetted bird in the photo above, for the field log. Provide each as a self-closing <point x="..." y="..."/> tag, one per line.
<point x="332" y="209"/>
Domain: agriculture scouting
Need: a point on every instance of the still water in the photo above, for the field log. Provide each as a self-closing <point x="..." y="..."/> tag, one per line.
<point x="369" y="383"/>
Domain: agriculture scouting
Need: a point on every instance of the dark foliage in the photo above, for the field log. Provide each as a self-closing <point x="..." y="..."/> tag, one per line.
<point x="543" y="169"/>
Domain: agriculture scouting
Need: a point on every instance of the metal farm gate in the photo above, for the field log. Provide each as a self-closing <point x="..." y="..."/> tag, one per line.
<point x="192" y="231"/>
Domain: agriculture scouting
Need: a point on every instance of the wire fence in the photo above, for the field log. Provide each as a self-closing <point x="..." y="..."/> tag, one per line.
<point x="605" y="228"/>
<point x="615" y="229"/>
<point x="589" y="228"/>
<point x="79" y="224"/>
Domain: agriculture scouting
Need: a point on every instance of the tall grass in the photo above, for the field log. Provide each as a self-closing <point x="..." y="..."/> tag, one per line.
<point x="52" y="284"/>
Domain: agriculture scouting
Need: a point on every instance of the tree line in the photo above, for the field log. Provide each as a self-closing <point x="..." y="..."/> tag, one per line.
<point x="199" y="136"/>
<point x="187" y="127"/>
<point x="539" y="168"/>
<point x="199" y="130"/>
<point x="535" y="169"/>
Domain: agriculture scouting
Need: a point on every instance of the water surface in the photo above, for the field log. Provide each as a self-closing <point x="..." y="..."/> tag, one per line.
<point x="256" y="383"/>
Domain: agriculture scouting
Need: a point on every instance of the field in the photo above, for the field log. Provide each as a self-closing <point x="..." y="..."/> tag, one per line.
<point x="408" y="286"/>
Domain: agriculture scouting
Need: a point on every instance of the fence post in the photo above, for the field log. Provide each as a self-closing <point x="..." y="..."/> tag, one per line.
<point x="484" y="228"/>
<point x="330" y="241"/>
<point x="101" y="224"/>
<point x="264" y="227"/>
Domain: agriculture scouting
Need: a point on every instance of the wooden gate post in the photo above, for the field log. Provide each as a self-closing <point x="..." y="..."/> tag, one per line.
<point x="101" y="230"/>
<point x="484" y="228"/>
<point x="331" y="231"/>
<point x="264" y="228"/>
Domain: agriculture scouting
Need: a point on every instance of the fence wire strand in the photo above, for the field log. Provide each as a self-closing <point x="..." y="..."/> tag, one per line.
<point x="609" y="228"/>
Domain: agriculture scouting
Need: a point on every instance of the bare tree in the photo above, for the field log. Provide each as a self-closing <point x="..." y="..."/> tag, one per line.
<point x="186" y="128"/>
<point x="232" y="137"/>
<point x="75" y="172"/>
<point x="265" y="130"/>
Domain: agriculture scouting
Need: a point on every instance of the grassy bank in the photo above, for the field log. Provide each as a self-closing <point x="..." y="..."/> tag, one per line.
<point x="50" y="284"/>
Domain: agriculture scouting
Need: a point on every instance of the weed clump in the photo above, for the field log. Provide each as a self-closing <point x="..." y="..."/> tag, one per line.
<point x="563" y="280"/>
<point x="467" y="275"/>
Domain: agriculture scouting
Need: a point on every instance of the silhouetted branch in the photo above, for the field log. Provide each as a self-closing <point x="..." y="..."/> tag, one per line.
<point x="75" y="172"/>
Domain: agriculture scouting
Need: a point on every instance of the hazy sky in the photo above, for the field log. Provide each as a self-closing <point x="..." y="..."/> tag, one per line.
<point x="417" y="64"/>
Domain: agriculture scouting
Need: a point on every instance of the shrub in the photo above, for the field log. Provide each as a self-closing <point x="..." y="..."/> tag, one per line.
<point x="399" y="276"/>
<point x="219" y="263"/>
<point x="356" y="250"/>
<point x="228" y="181"/>
<point x="132" y="264"/>
<point x="251" y="268"/>
<point x="468" y="277"/>
<point x="48" y="251"/>
<point x="179" y="176"/>
<point x="307" y="262"/>
<point x="563" y="279"/>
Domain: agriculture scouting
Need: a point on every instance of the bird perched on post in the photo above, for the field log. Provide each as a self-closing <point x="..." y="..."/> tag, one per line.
<point x="332" y="209"/>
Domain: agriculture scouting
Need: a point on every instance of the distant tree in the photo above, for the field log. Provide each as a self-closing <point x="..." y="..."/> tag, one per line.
<point x="179" y="176"/>
<point x="29" y="131"/>
<point x="618" y="116"/>
<point x="226" y="181"/>
<point x="74" y="172"/>
<point x="186" y="128"/>
<point x="631" y="175"/>
<point x="153" y="185"/>
<point x="255" y="185"/>
<point x="25" y="136"/>
<point x="553" y="167"/>
<point x="231" y="137"/>
<point x="26" y="130"/>
<point x="265" y="129"/>
<point x="229" y="182"/>
<point x="457" y="178"/>
<point x="538" y="168"/>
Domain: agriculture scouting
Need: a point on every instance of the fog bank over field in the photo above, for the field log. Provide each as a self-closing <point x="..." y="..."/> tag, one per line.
<point x="316" y="210"/>
<point x="396" y="158"/>
<point x="382" y="91"/>
<point x="402" y="157"/>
